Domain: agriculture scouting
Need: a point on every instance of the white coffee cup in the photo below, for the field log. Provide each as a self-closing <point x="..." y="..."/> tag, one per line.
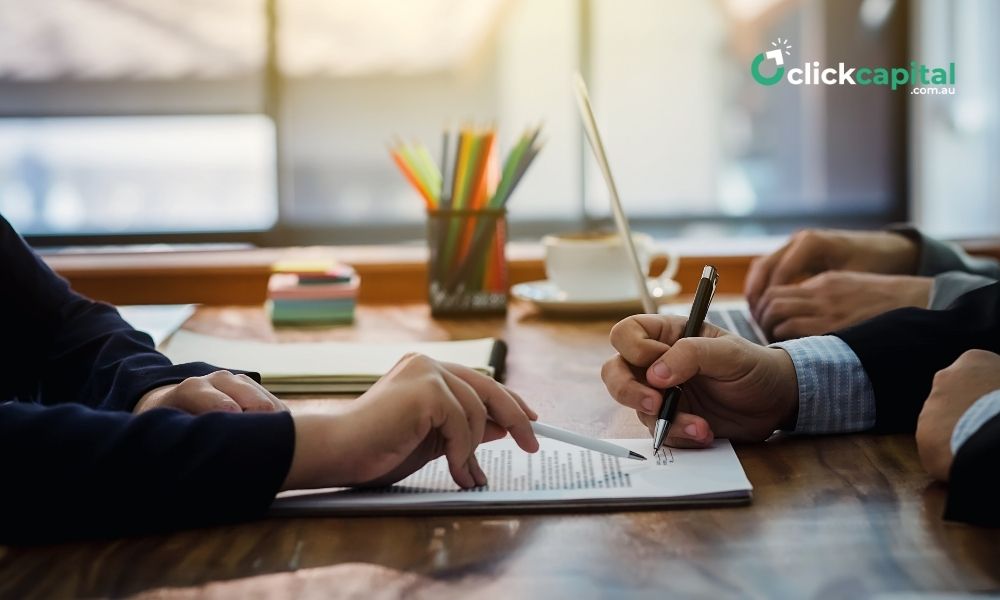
<point x="595" y="266"/>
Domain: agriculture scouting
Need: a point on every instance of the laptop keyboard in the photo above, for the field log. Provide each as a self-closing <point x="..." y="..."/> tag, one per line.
<point x="739" y="321"/>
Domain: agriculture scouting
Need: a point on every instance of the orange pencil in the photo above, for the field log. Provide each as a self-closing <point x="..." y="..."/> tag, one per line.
<point x="475" y="193"/>
<point x="493" y="275"/>
<point x="492" y="174"/>
<point x="482" y="177"/>
<point x="412" y="178"/>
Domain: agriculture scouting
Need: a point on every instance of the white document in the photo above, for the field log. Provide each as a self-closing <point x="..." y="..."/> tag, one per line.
<point x="321" y="366"/>
<point x="158" y="320"/>
<point x="558" y="475"/>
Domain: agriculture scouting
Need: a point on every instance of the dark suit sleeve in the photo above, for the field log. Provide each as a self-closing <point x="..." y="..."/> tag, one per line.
<point x="62" y="347"/>
<point x="974" y="481"/>
<point x="70" y="471"/>
<point x="901" y="351"/>
<point x="74" y="461"/>
<point x="936" y="257"/>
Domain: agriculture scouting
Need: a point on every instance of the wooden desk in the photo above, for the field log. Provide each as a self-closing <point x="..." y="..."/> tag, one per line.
<point x="832" y="517"/>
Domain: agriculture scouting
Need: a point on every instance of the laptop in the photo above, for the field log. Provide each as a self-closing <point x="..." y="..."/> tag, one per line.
<point x="733" y="316"/>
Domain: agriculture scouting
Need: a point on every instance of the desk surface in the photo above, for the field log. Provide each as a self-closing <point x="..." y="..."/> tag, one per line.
<point x="833" y="517"/>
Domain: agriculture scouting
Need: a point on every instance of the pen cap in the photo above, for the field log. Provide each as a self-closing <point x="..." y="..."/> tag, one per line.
<point x="702" y="299"/>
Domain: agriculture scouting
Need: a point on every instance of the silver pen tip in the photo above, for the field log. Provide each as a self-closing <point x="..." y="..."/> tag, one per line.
<point x="660" y="433"/>
<point x="635" y="455"/>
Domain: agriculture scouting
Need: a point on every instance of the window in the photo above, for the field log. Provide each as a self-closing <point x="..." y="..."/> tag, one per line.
<point x="694" y="137"/>
<point x="957" y="138"/>
<point x="105" y="175"/>
<point x="357" y="74"/>
<point x="128" y="116"/>
<point x="693" y="142"/>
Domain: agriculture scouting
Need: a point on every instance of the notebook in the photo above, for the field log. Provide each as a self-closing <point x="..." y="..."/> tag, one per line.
<point x="327" y="367"/>
<point x="558" y="476"/>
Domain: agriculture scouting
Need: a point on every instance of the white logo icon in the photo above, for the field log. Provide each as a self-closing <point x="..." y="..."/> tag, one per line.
<point x="780" y="46"/>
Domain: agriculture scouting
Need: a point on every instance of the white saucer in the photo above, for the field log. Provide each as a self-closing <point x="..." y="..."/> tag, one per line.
<point x="548" y="298"/>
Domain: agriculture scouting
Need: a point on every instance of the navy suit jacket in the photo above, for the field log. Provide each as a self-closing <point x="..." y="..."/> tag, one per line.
<point x="901" y="351"/>
<point x="74" y="460"/>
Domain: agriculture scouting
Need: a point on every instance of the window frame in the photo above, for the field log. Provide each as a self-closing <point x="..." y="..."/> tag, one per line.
<point x="283" y="233"/>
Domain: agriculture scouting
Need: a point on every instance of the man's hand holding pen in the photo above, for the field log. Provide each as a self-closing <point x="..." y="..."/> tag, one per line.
<point x="733" y="388"/>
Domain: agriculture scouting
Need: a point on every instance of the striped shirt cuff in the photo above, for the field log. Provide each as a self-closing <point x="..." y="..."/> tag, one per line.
<point x="976" y="416"/>
<point x="835" y="395"/>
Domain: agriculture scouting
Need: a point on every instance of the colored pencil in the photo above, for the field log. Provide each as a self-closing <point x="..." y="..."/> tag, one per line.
<point x="412" y="178"/>
<point x="468" y="248"/>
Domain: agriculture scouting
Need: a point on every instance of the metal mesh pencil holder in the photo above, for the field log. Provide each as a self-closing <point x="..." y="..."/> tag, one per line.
<point x="467" y="269"/>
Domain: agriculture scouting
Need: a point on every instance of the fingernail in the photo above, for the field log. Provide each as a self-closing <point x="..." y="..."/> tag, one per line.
<point x="661" y="370"/>
<point x="470" y="479"/>
<point x="691" y="430"/>
<point x="648" y="404"/>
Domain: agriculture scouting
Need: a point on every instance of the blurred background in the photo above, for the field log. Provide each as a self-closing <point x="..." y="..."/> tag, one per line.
<point x="266" y="121"/>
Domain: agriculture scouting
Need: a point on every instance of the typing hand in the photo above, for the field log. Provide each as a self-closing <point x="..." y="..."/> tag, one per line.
<point x="956" y="388"/>
<point x="219" y="391"/>
<point x="732" y="388"/>
<point x="833" y="300"/>
<point x="811" y="251"/>
<point x="418" y="411"/>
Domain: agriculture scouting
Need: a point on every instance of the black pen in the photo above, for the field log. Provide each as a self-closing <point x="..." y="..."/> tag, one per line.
<point x="699" y="309"/>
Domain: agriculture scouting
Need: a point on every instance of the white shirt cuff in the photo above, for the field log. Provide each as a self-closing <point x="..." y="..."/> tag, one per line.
<point x="835" y="395"/>
<point x="976" y="416"/>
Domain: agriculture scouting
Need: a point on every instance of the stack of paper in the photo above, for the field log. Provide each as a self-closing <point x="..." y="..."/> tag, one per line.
<point x="312" y="293"/>
<point x="557" y="476"/>
<point x="325" y="367"/>
<point x="157" y="320"/>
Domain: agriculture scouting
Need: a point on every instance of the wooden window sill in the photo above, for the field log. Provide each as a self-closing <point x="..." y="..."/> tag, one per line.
<point x="389" y="274"/>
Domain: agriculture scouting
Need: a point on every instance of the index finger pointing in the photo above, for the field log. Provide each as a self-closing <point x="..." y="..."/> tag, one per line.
<point x="501" y="405"/>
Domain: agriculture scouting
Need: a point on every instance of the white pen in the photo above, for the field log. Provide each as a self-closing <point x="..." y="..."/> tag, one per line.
<point x="583" y="441"/>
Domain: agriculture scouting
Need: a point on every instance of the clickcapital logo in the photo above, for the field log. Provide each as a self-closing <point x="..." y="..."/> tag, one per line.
<point x="775" y="55"/>
<point x="923" y="79"/>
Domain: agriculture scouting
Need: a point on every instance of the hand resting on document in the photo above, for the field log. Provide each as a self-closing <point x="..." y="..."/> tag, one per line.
<point x="420" y="410"/>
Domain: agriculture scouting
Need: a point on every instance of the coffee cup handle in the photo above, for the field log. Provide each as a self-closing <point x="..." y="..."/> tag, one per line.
<point x="673" y="263"/>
